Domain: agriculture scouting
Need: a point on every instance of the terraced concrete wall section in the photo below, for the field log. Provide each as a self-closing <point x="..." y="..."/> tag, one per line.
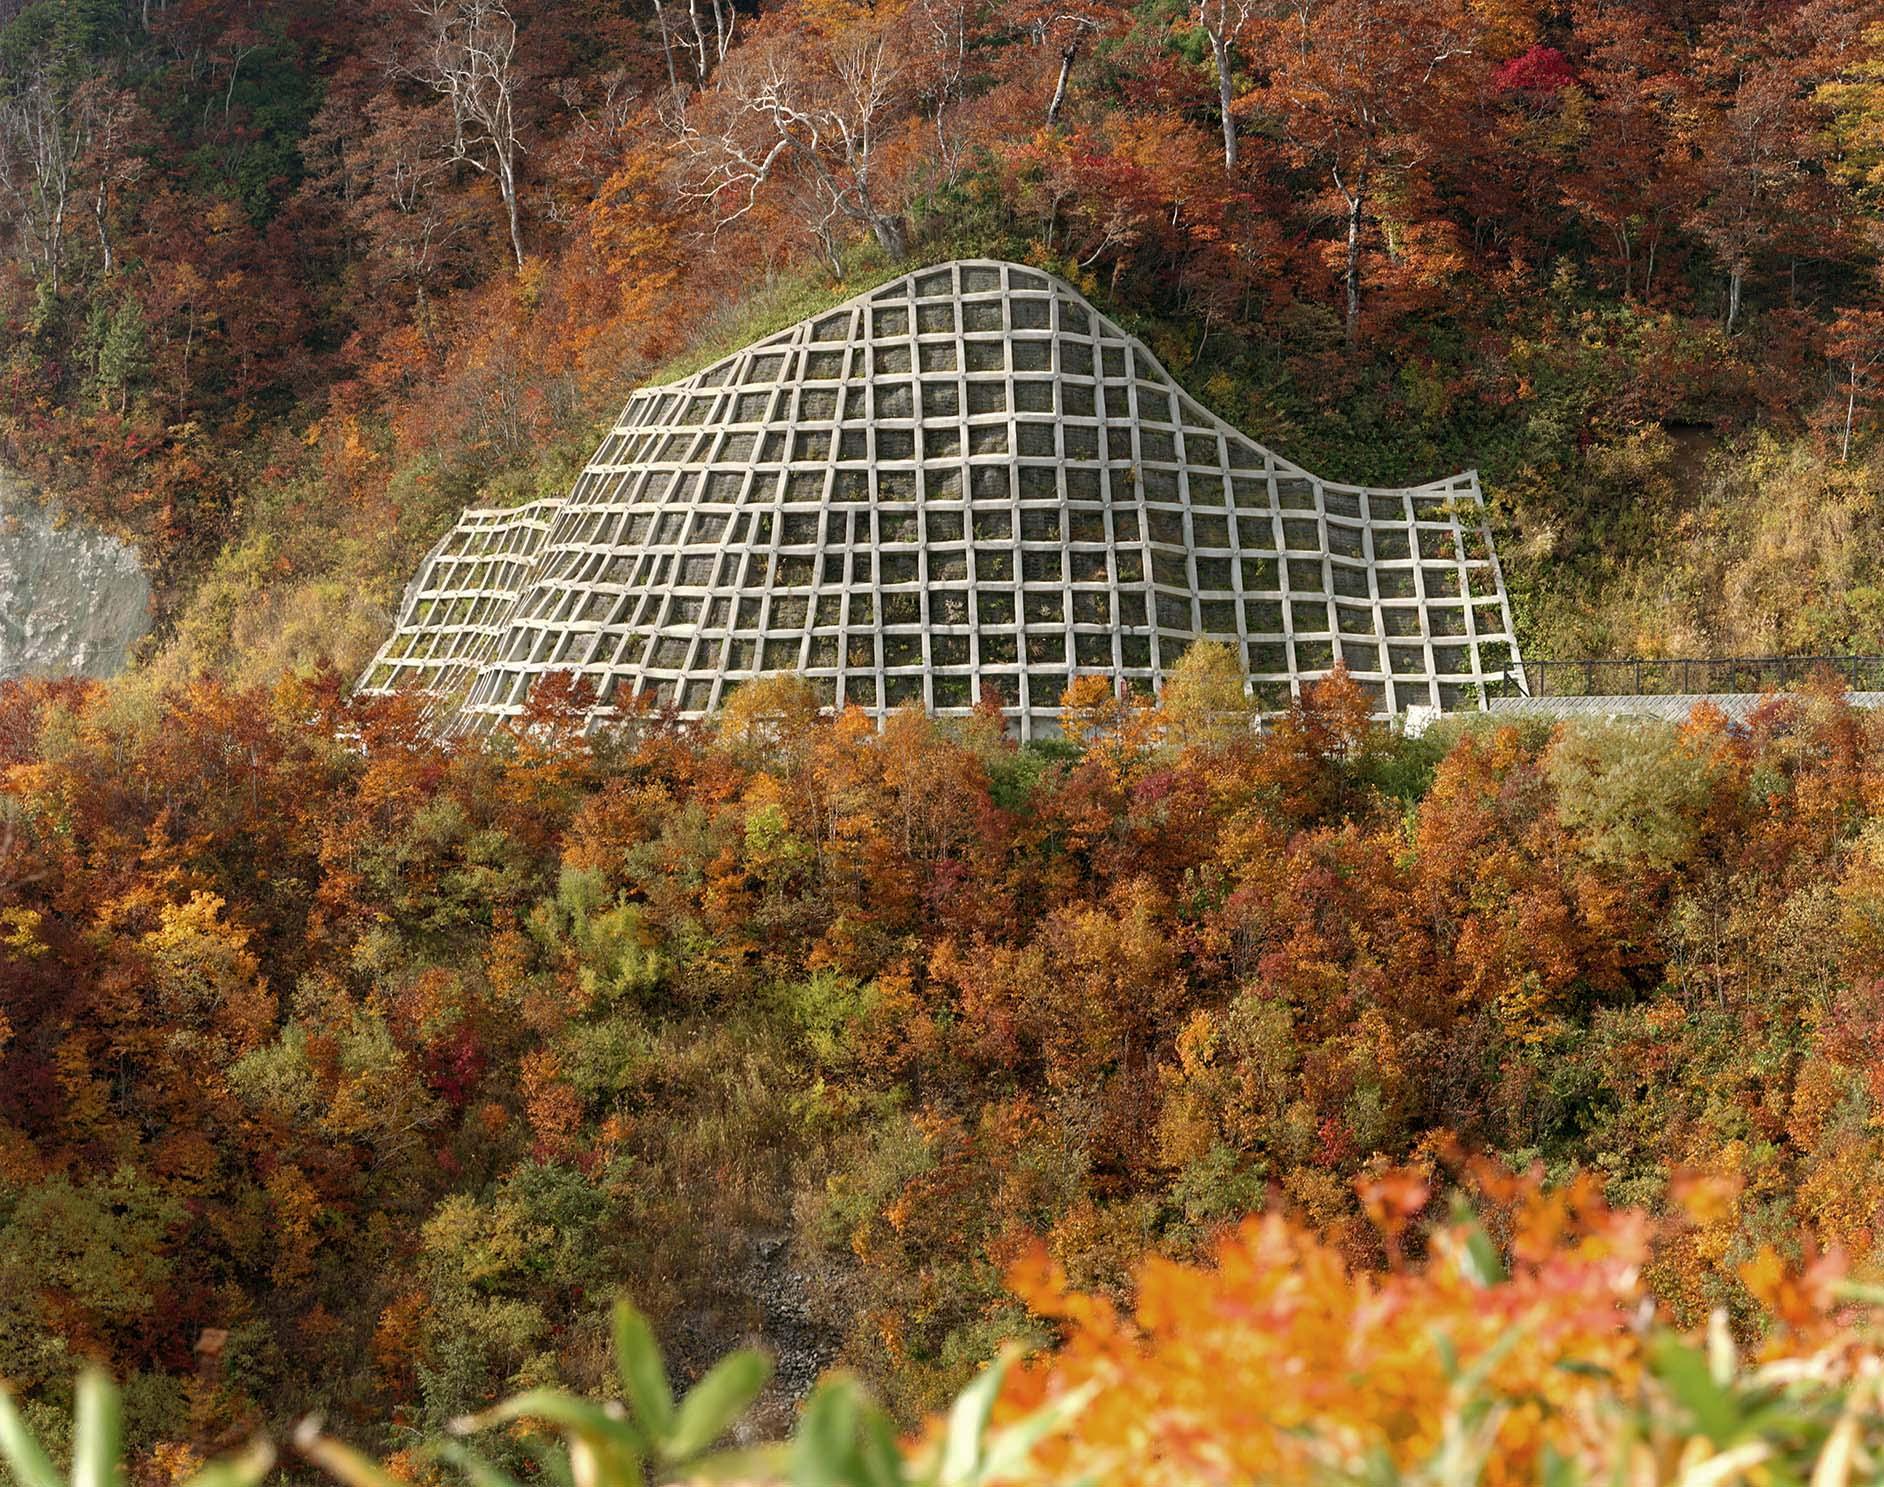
<point x="461" y="602"/>
<point x="968" y="478"/>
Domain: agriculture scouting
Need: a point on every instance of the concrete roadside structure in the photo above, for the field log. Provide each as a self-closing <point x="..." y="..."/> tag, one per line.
<point x="966" y="479"/>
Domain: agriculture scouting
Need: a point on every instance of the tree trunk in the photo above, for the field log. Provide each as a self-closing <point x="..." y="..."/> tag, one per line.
<point x="1067" y="54"/>
<point x="55" y="246"/>
<point x="1220" y="45"/>
<point x="667" y="48"/>
<point x="725" y="18"/>
<point x="1353" y="275"/>
<point x="474" y="44"/>
<point x="699" y="42"/>
<point x="892" y="234"/>
<point x="100" y="210"/>
<point x="507" y="181"/>
<point x="1851" y="409"/>
<point x="1735" y="279"/>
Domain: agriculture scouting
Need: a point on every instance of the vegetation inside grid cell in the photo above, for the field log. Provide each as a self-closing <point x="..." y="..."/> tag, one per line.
<point x="1497" y="1103"/>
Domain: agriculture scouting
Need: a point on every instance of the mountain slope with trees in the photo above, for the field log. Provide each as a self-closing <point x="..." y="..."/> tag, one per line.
<point x="286" y="285"/>
<point x="344" y="1068"/>
<point x="377" y="1067"/>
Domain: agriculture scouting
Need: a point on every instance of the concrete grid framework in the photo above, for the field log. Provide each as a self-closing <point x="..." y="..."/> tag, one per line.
<point x="968" y="478"/>
<point x="458" y="607"/>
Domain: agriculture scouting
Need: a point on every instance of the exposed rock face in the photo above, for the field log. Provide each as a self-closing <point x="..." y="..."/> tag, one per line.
<point x="73" y="601"/>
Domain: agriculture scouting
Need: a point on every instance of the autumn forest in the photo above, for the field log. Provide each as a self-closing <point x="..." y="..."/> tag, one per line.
<point x="349" y="1069"/>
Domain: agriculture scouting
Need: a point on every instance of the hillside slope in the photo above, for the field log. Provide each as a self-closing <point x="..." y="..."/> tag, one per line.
<point x="341" y="1068"/>
<point x="269" y="315"/>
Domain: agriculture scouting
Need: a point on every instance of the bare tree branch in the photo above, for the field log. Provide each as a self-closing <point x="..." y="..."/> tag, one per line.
<point x="470" y="62"/>
<point x="808" y="120"/>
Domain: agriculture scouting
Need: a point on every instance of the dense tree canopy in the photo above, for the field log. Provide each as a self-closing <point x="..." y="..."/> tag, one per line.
<point x="276" y="269"/>
<point x="380" y="1063"/>
<point x="339" y="1066"/>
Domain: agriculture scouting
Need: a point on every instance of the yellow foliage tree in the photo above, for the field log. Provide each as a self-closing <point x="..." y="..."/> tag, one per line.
<point x="1204" y="704"/>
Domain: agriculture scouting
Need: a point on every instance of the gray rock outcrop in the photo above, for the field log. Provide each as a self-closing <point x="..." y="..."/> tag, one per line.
<point x="73" y="600"/>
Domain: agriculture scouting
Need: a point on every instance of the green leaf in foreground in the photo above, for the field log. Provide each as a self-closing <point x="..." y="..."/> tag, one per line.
<point x="1690" y="1379"/>
<point x="715" y="1404"/>
<point x="844" y="1440"/>
<point x="968" y="1424"/>
<point x="577" y="1417"/>
<point x="97" y="1432"/>
<point x="643" y="1375"/>
<point x="474" y="1466"/>
<point x="338" y="1459"/>
<point x="21" y="1451"/>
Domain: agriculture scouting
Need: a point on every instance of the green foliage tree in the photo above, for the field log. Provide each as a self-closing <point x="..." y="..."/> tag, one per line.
<point x="119" y="351"/>
<point x="1638" y="796"/>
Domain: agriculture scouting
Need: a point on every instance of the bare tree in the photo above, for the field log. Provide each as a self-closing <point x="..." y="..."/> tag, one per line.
<point x="407" y="232"/>
<point x="410" y="222"/>
<point x="38" y="166"/>
<point x="108" y="120"/>
<point x="1857" y="349"/>
<point x="1223" y="22"/>
<point x="62" y="145"/>
<point x="1349" y="81"/>
<point x="702" y="33"/>
<point x="943" y="29"/>
<point x="1072" y="24"/>
<point x="1751" y="157"/>
<point x="470" y="61"/>
<point x="810" y="117"/>
<point x="590" y="151"/>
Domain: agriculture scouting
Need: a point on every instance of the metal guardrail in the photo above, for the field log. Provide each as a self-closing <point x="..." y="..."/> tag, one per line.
<point x="1685" y="676"/>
